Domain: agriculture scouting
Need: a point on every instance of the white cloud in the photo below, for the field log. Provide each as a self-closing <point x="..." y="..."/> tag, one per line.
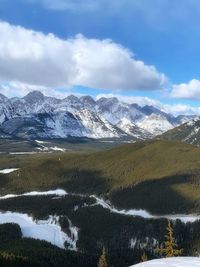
<point x="190" y="90"/>
<point x="12" y="89"/>
<point x="181" y="109"/>
<point x="34" y="58"/>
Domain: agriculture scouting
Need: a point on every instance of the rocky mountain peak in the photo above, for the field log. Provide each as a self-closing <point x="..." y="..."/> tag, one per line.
<point x="34" y="96"/>
<point x="37" y="115"/>
<point x="87" y="100"/>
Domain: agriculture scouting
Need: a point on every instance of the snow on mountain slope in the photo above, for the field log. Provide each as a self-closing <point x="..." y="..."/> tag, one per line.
<point x="6" y="109"/>
<point x="132" y="129"/>
<point x="155" y="124"/>
<point x="38" y="116"/>
<point x="96" y="126"/>
<point x="188" y="132"/>
<point x="113" y="110"/>
<point x="64" y="124"/>
<point x="171" y="262"/>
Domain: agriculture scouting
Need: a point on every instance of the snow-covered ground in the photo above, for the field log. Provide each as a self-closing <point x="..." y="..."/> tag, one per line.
<point x="145" y="214"/>
<point x="171" y="262"/>
<point x="57" y="192"/>
<point x="51" y="231"/>
<point x="23" y="153"/>
<point x="44" y="148"/>
<point x="48" y="230"/>
<point x="73" y="235"/>
<point x="41" y="142"/>
<point x="56" y="148"/>
<point x="5" y="171"/>
<point x="99" y="201"/>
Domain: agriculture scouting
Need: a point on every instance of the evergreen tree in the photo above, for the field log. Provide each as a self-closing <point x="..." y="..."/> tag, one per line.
<point x="144" y="257"/>
<point x="170" y="248"/>
<point x="102" y="259"/>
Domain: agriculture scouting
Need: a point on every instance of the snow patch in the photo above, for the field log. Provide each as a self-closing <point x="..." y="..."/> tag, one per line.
<point x="48" y="230"/>
<point x="5" y="171"/>
<point x="23" y="153"/>
<point x="57" y="192"/>
<point x="99" y="201"/>
<point x="145" y="214"/>
<point x="55" y="148"/>
<point x="171" y="262"/>
<point x="41" y="142"/>
<point x="74" y="235"/>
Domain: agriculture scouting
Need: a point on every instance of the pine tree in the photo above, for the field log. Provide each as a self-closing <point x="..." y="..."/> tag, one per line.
<point x="102" y="259"/>
<point x="170" y="248"/>
<point x="144" y="257"/>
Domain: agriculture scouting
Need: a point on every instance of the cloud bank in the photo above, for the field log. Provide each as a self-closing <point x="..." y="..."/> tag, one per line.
<point x="34" y="58"/>
<point x="190" y="90"/>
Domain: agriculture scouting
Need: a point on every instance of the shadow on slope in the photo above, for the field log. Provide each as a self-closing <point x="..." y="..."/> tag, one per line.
<point x="161" y="196"/>
<point x="72" y="180"/>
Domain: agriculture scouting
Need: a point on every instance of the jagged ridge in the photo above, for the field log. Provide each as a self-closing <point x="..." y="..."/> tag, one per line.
<point x="39" y="116"/>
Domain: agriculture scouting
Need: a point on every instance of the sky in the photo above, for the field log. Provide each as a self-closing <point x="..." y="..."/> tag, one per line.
<point x="141" y="51"/>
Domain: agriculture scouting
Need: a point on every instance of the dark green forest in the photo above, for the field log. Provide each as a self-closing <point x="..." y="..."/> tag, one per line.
<point x="125" y="238"/>
<point x="161" y="177"/>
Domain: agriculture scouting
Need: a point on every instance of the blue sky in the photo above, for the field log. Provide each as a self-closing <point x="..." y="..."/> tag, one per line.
<point x="160" y="33"/>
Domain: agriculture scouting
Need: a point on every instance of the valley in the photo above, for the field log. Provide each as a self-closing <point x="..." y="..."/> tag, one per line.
<point x="99" y="133"/>
<point x="122" y="192"/>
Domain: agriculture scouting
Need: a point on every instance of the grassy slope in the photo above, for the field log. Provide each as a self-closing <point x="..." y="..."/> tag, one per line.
<point x="156" y="175"/>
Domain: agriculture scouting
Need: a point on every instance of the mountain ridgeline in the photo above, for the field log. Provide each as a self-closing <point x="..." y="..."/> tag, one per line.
<point x="39" y="116"/>
<point x="188" y="132"/>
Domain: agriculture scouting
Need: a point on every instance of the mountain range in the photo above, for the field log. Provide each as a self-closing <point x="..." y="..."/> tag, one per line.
<point x="38" y="116"/>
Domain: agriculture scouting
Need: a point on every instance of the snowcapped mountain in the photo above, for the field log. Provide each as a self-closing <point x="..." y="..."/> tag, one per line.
<point x="132" y="129"/>
<point x="113" y="110"/>
<point x="155" y="124"/>
<point x="39" y="116"/>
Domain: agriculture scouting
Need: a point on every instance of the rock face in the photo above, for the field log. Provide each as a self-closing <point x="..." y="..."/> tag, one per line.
<point x="171" y="262"/>
<point x="39" y="116"/>
<point x="155" y="124"/>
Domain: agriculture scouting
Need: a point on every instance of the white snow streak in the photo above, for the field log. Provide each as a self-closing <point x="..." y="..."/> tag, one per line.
<point x="145" y="214"/>
<point x="55" y="148"/>
<point x="99" y="201"/>
<point x="5" y="171"/>
<point x="74" y="235"/>
<point x="57" y="192"/>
